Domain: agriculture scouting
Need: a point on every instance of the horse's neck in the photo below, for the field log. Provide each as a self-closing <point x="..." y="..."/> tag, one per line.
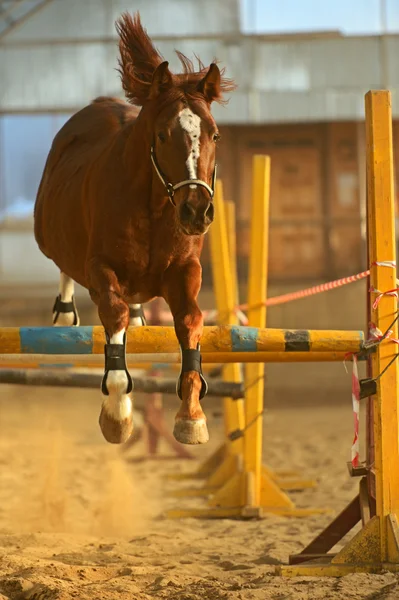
<point x="136" y="148"/>
<point x="137" y="160"/>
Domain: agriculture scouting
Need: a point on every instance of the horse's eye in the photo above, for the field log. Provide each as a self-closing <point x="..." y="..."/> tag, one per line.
<point x="161" y="137"/>
<point x="216" y="137"/>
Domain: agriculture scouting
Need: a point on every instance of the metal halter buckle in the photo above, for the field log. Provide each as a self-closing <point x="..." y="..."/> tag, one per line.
<point x="171" y="191"/>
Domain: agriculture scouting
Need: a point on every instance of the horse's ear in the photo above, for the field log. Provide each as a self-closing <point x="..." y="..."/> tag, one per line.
<point x="162" y="80"/>
<point x="209" y="85"/>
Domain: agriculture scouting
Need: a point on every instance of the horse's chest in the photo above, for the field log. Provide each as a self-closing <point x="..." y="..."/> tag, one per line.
<point x="147" y="255"/>
<point x="141" y="255"/>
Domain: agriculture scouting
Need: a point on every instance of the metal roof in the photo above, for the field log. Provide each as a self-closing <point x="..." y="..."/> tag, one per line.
<point x="62" y="58"/>
<point x="95" y="18"/>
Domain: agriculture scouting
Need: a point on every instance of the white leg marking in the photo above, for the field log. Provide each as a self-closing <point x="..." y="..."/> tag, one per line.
<point x="118" y="404"/>
<point x="67" y="288"/>
<point x="136" y="321"/>
<point x="191" y="123"/>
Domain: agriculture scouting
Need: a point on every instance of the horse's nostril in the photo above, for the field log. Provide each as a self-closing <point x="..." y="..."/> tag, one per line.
<point x="187" y="212"/>
<point x="210" y="212"/>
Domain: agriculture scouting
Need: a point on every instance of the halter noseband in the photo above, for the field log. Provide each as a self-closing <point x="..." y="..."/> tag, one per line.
<point x="170" y="188"/>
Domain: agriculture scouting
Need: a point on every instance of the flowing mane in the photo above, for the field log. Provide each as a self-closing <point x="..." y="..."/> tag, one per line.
<point x="139" y="59"/>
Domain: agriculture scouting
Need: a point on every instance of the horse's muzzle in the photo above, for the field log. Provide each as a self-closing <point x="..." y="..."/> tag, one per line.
<point x="195" y="218"/>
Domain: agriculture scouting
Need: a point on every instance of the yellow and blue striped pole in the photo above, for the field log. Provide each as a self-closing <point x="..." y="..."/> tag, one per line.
<point x="225" y="339"/>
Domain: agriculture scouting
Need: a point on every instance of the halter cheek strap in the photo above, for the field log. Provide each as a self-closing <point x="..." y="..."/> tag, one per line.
<point x="170" y="188"/>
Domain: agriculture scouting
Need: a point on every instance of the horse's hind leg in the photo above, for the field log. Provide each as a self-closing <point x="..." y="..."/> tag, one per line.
<point x="116" y="418"/>
<point x="64" y="310"/>
<point x="181" y="287"/>
<point x="136" y="315"/>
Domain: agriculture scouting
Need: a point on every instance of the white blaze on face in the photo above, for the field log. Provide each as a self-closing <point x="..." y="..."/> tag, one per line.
<point x="191" y="124"/>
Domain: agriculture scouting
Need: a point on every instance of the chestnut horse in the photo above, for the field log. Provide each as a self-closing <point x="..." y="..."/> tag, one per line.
<point x="122" y="208"/>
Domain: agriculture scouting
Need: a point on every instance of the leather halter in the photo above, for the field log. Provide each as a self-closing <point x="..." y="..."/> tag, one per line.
<point x="170" y="188"/>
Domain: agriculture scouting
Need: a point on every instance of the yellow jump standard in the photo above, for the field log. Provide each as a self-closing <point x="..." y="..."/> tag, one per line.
<point x="375" y="547"/>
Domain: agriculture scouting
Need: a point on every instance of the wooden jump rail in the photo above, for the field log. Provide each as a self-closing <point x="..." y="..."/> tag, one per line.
<point x="147" y="385"/>
<point x="249" y="342"/>
<point x="151" y="361"/>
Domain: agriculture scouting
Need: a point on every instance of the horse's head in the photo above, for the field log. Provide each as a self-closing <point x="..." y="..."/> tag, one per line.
<point x="183" y="150"/>
<point x="183" y="134"/>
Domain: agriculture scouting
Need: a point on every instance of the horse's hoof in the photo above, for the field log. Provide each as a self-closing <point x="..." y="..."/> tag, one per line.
<point x="115" y="432"/>
<point x="191" y="431"/>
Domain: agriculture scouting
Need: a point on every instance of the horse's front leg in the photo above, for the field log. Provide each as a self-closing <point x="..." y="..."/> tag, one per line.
<point x="181" y="287"/>
<point x="116" y="418"/>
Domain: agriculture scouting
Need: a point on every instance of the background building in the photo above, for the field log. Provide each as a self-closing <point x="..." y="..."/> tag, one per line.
<point x="299" y="99"/>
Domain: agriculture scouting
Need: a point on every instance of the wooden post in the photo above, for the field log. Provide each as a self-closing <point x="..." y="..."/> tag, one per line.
<point x="225" y="286"/>
<point x="233" y="371"/>
<point x="382" y="247"/>
<point x="230" y="216"/>
<point x="257" y="294"/>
